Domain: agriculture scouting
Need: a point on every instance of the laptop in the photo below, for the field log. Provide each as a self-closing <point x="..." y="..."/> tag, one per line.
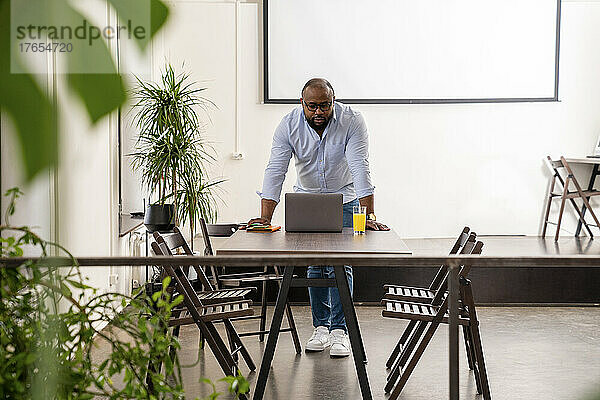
<point x="312" y="212"/>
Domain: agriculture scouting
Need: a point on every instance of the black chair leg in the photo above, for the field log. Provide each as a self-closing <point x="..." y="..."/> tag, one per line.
<point x="401" y="342"/>
<point x="290" y="319"/>
<point x="412" y="363"/>
<point x="232" y="344"/>
<point x="482" y="373"/>
<point x="292" y="325"/>
<point x="479" y="361"/>
<point x="263" y="311"/>
<point x="468" y="346"/>
<point x="416" y="335"/>
<point x="201" y="341"/>
<point x="411" y="339"/>
<point x="393" y="376"/>
<point x="236" y="343"/>
<point x="219" y="348"/>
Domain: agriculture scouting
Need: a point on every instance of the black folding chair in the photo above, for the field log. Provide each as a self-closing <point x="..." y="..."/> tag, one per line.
<point x="252" y="278"/>
<point x="415" y="333"/>
<point x="177" y="244"/>
<point x="420" y="294"/>
<point x="430" y="316"/>
<point x="205" y="315"/>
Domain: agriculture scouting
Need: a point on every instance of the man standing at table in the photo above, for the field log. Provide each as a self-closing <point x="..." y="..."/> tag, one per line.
<point x="330" y="145"/>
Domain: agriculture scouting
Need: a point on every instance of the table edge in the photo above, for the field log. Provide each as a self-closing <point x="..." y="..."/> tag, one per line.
<point x="233" y="252"/>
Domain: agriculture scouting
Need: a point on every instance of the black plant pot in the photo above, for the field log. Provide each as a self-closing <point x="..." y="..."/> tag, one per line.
<point x="160" y="217"/>
<point x="223" y="230"/>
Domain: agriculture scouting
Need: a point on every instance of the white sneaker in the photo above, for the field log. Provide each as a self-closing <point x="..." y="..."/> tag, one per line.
<point x="340" y="345"/>
<point x="319" y="340"/>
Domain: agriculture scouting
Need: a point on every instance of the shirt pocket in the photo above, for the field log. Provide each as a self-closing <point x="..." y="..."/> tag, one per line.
<point x="335" y="155"/>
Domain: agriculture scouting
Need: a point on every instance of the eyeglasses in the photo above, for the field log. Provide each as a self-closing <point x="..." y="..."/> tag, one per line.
<point x="313" y="106"/>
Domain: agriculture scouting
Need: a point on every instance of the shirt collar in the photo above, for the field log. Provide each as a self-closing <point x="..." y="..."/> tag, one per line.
<point x="335" y="111"/>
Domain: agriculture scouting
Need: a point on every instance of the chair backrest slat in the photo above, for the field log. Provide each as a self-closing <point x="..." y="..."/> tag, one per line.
<point x="554" y="164"/>
<point x="572" y="178"/>
<point x="566" y="165"/>
<point x="470" y="247"/>
<point x="177" y="241"/>
<point x="208" y="250"/>
<point x="178" y="277"/>
<point x="467" y="268"/>
<point x="441" y="273"/>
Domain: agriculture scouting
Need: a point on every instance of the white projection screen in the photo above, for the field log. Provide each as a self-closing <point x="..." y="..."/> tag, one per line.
<point x="413" y="51"/>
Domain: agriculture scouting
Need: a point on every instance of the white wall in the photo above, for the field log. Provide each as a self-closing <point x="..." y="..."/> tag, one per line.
<point x="88" y="184"/>
<point x="436" y="167"/>
<point x="36" y="208"/>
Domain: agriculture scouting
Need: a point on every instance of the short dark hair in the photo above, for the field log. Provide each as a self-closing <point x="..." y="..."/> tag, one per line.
<point x="318" y="82"/>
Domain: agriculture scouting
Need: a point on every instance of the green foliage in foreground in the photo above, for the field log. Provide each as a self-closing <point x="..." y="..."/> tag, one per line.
<point x="49" y="320"/>
<point x="32" y="110"/>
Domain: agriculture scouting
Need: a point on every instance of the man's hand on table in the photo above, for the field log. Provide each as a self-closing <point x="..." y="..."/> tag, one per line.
<point x="371" y="225"/>
<point x="376" y="226"/>
<point x="261" y="220"/>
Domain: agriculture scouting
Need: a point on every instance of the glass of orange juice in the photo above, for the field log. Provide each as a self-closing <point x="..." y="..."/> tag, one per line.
<point x="359" y="219"/>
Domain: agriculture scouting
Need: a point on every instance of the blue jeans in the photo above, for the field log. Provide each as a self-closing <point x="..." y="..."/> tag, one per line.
<point x="325" y="302"/>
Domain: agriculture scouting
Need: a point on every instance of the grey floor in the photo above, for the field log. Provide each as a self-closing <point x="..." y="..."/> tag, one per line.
<point x="531" y="353"/>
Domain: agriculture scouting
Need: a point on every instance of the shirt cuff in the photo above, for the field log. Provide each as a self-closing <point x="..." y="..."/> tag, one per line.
<point x="365" y="192"/>
<point x="267" y="196"/>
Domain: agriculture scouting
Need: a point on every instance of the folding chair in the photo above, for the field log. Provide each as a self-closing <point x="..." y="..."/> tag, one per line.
<point x="176" y="243"/>
<point x="556" y="168"/>
<point x="238" y="280"/>
<point x="205" y="315"/>
<point x="414" y="331"/>
<point x="432" y="315"/>
<point x="421" y="295"/>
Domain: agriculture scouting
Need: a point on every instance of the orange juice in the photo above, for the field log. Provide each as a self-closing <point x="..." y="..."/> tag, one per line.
<point x="359" y="221"/>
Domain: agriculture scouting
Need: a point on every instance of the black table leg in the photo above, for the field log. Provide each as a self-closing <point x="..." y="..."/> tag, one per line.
<point x="584" y="208"/>
<point x="353" y="332"/>
<point x="453" y="330"/>
<point x="360" y="339"/>
<point x="265" y="365"/>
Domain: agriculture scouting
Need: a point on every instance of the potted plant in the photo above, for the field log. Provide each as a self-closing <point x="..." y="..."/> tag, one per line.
<point x="171" y="153"/>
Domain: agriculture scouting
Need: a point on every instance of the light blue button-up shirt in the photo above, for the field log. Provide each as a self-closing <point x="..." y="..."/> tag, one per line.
<point x="336" y="162"/>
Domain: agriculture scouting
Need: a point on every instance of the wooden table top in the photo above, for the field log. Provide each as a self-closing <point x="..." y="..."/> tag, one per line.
<point x="373" y="242"/>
